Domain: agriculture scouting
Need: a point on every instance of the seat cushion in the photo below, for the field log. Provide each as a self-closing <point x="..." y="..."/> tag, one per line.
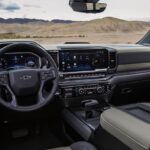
<point x="78" y="146"/>
<point x="128" y="129"/>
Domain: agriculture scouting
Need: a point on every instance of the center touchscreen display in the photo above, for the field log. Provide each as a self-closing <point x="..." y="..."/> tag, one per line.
<point x="82" y="60"/>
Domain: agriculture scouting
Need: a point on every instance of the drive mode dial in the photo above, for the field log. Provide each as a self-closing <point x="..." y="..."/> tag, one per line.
<point x="82" y="91"/>
<point x="100" y="89"/>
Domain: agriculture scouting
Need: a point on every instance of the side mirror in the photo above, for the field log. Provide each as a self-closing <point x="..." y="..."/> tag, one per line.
<point x="87" y="6"/>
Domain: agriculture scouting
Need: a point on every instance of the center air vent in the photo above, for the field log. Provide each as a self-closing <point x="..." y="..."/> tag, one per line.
<point x="113" y="60"/>
<point x="54" y="55"/>
<point x="84" y="75"/>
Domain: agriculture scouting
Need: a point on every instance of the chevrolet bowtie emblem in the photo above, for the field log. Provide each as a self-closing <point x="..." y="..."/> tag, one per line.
<point x="26" y="77"/>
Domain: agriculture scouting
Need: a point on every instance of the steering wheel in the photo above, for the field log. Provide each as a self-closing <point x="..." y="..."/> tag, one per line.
<point x="28" y="82"/>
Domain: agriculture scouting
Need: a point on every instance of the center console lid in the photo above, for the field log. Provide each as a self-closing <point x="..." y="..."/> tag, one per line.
<point x="129" y="124"/>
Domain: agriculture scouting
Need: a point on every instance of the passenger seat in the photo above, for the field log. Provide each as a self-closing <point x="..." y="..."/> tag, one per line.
<point x="77" y="146"/>
<point x="129" y="124"/>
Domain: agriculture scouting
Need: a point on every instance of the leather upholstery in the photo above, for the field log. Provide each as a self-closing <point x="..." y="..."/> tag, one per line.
<point x="131" y="131"/>
<point x="77" y="146"/>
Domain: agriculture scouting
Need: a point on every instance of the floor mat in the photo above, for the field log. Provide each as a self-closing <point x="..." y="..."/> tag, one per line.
<point x="46" y="139"/>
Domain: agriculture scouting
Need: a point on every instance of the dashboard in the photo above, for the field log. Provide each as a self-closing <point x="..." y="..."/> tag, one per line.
<point x="17" y="60"/>
<point x="96" y="71"/>
<point x="89" y="71"/>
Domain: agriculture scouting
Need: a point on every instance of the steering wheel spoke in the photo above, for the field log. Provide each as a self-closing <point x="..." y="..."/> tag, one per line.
<point x="13" y="102"/>
<point x="40" y="98"/>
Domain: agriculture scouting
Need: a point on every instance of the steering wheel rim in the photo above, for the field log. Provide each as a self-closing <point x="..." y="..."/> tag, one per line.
<point x="43" y="75"/>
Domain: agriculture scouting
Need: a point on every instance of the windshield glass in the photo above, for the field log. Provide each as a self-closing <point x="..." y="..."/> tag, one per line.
<point x="53" y="21"/>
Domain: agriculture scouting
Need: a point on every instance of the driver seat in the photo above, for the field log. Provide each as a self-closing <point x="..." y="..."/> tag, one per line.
<point x="77" y="146"/>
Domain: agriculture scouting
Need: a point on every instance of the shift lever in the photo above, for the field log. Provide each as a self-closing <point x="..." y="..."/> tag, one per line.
<point x="90" y="107"/>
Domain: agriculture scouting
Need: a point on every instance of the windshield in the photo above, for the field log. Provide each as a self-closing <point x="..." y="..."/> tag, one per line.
<point x="53" y="21"/>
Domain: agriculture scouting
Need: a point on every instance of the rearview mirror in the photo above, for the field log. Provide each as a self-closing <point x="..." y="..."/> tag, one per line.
<point x="87" y="6"/>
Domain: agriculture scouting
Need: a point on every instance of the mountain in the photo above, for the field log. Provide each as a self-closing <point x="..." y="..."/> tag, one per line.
<point x="21" y="20"/>
<point x="108" y="24"/>
<point x="58" y="28"/>
<point x="27" y="20"/>
<point x="62" y="21"/>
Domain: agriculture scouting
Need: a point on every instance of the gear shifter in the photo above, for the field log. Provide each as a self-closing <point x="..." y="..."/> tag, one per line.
<point x="91" y="108"/>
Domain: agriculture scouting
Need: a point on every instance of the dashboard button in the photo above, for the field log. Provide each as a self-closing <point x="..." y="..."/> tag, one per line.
<point x="81" y="91"/>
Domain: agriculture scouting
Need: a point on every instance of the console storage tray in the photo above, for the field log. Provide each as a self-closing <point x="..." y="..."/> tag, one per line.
<point x="141" y="111"/>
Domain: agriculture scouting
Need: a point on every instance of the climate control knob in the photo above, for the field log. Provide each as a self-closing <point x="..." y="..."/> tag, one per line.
<point x="100" y="89"/>
<point x="82" y="91"/>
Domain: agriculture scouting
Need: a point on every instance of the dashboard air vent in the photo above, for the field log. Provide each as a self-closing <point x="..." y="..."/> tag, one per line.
<point x="112" y="58"/>
<point x="54" y="56"/>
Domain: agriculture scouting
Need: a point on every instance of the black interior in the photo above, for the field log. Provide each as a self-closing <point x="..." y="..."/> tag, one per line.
<point x="79" y="88"/>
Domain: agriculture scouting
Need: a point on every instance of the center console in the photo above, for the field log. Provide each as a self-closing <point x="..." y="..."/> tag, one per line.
<point x="84" y="85"/>
<point x="86" y="119"/>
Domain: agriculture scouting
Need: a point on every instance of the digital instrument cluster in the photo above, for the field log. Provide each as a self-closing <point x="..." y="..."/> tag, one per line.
<point x="19" y="60"/>
<point x="82" y="60"/>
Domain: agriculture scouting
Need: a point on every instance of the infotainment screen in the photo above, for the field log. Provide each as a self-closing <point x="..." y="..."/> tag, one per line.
<point x="82" y="60"/>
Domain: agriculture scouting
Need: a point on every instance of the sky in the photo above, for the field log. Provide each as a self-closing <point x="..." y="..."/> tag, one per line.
<point x="59" y="9"/>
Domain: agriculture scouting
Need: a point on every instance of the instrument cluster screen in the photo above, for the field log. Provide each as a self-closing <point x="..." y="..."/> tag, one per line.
<point x="82" y="60"/>
<point x="18" y="60"/>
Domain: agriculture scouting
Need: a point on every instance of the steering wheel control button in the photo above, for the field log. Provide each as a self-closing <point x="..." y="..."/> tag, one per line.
<point x="3" y="79"/>
<point x="48" y="75"/>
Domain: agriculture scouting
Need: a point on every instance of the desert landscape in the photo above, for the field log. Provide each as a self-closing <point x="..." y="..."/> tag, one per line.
<point x="105" y="30"/>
